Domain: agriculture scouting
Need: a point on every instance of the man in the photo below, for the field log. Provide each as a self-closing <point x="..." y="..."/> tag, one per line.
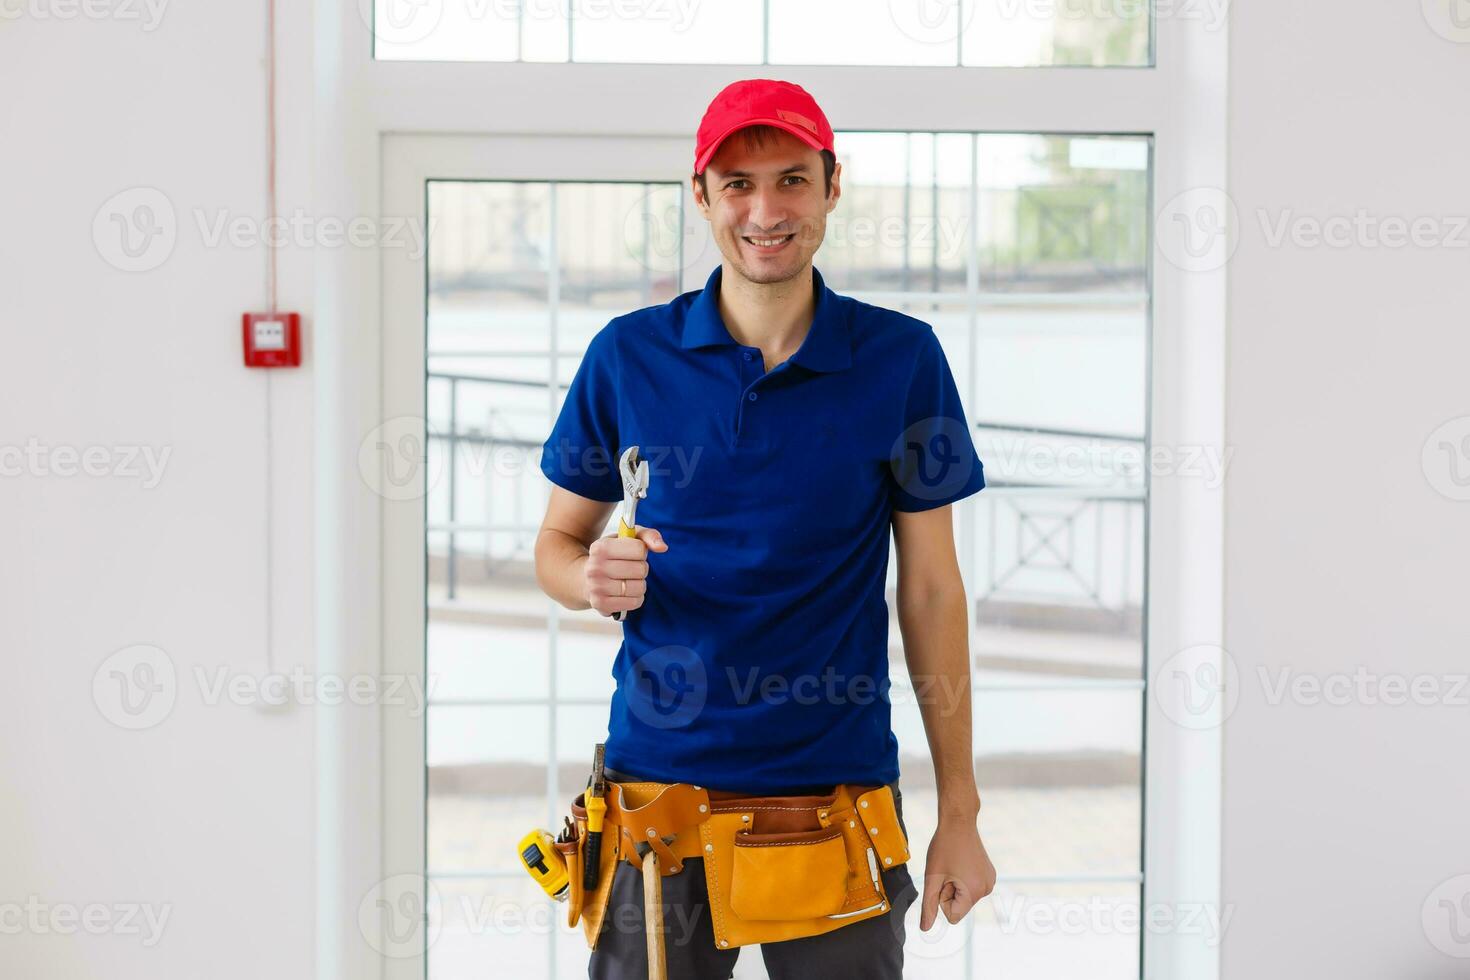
<point x="788" y="430"/>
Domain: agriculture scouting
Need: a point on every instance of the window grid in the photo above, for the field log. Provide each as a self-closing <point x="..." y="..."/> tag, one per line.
<point x="974" y="301"/>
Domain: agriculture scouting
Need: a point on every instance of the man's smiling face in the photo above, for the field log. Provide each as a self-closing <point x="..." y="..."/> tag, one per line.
<point x="766" y="205"/>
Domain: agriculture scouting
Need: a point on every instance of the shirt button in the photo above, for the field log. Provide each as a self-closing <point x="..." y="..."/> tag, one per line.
<point x="749" y="356"/>
<point x="753" y="396"/>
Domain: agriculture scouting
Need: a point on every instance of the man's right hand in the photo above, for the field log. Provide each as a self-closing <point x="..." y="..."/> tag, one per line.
<point x="615" y="574"/>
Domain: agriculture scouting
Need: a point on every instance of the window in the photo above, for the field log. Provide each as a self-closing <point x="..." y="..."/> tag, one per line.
<point x="989" y="33"/>
<point x="1028" y="254"/>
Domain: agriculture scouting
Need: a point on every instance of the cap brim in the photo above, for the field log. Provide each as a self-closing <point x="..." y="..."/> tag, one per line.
<point x="805" y="135"/>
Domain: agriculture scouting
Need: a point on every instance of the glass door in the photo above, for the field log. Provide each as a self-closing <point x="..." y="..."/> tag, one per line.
<point x="1029" y="255"/>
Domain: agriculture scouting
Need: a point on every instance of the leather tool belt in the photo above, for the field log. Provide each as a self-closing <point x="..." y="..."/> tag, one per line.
<point x="777" y="867"/>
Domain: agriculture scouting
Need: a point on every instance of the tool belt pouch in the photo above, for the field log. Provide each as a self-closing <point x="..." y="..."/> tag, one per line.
<point x="788" y="877"/>
<point x="590" y="907"/>
<point x="782" y="868"/>
<point x="776" y="867"/>
<point x="571" y="853"/>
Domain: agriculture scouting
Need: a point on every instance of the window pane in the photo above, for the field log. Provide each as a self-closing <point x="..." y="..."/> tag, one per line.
<point x="728" y="32"/>
<point x="489" y="263"/>
<point x="1058" y="772"/>
<point x="903" y="223"/>
<point x="863" y="32"/>
<point x="1026" y="33"/>
<point x="443" y="30"/>
<point x="620" y="248"/>
<point x="487" y="784"/>
<point x="1043" y="931"/>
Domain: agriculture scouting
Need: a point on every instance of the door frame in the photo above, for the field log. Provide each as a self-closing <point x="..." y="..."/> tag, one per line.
<point x="374" y="119"/>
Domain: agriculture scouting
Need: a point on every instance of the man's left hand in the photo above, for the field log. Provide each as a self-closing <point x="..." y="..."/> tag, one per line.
<point x="957" y="872"/>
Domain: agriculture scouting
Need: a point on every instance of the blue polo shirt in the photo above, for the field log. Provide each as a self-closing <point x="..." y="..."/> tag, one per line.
<point x="759" y="658"/>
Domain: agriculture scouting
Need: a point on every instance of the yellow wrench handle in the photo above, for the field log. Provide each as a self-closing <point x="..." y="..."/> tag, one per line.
<point x="624" y="531"/>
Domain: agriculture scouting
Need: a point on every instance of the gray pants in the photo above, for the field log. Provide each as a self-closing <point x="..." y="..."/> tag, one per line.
<point x="868" y="950"/>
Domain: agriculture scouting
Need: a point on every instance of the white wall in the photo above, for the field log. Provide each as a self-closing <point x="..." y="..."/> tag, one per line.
<point x="1340" y="821"/>
<point x="207" y="815"/>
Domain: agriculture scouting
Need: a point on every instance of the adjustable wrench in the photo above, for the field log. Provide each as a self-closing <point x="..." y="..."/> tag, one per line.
<point x="634" y="472"/>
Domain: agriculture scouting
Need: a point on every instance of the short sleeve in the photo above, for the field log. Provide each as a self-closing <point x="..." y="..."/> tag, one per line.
<point x="580" y="454"/>
<point x="933" y="461"/>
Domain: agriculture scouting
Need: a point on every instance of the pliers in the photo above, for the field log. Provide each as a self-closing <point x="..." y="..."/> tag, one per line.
<point x="634" y="472"/>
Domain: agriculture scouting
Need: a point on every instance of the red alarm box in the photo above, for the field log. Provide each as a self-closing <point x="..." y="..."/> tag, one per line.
<point x="272" y="339"/>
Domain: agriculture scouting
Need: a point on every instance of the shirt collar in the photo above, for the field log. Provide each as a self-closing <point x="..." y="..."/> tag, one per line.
<point x="827" y="346"/>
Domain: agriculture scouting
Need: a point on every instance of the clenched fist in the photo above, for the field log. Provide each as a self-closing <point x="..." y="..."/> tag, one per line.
<point x="615" y="575"/>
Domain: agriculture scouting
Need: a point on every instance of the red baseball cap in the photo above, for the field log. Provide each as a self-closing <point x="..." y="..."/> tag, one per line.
<point x="757" y="101"/>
